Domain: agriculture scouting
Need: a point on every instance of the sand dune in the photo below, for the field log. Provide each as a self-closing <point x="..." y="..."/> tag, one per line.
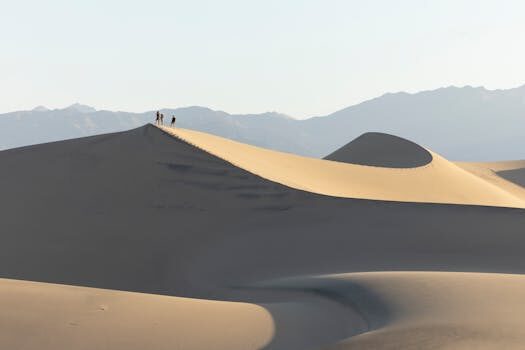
<point x="420" y="310"/>
<point x="513" y="171"/>
<point x="143" y="211"/>
<point x="439" y="181"/>
<point x="501" y="166"/>
<point x="435" y="310"/>
<point x="382" y="150"/>
<point x="51" y="316"/>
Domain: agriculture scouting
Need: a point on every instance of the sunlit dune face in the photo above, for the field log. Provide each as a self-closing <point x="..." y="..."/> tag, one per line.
<point x="431" y="179"/>
<point x="51" y="316"/>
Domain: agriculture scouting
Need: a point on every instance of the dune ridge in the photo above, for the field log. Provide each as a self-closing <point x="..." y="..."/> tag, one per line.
<point x="382" y="150"/>
<point x="439" y="181"/>
<point x="500" y="166"/>
<point x="513" y="171"/>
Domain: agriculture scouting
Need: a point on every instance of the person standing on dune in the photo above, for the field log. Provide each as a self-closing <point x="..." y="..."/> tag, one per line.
<point x="161" y="119"/>
<point x="157" y="119"/>
<point x="173" y="121"/>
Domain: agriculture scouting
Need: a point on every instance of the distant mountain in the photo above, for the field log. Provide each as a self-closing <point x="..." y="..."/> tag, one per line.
<point x="77" y="107"/>
<point x="272" y="130"/>
<point x="40" y="109"/>
<point x="464" y="123"/>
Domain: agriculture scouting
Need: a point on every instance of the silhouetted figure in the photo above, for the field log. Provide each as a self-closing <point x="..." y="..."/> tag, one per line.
<point x="157" y="120"/>
<point x="161" y="119"/>
<point x="173" y="120"/>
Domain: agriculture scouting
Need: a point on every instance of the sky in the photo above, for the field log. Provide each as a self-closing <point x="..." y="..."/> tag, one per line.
<point x="298" y="57"/>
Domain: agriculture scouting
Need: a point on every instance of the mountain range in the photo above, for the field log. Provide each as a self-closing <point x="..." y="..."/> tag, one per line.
<point x="461" y="123"/>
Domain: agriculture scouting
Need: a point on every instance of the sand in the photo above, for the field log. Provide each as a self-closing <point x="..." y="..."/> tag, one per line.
<point x="501" y="165"/>
<point x="223" y="257"/>
<point x="382" y="150"/>
<point x="513" y="171"/>
<point x="51" y="316"/>
<point x="436" y="310"/>
<point x="505" y="175"/>
<point x="439" y="181"/>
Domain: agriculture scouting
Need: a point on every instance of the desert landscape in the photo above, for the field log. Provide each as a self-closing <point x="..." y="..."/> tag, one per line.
<point x="170" y="238"/>
<point x="262" y="175"/>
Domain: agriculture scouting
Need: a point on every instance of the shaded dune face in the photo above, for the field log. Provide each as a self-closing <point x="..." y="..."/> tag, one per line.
<point x="434" y="310"/>
<point x="143" y="211"/>
<point x="382" y="150"/>
<point x="516" y="176"/>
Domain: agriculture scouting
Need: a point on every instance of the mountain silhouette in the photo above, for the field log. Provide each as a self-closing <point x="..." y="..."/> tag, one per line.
<point x="461" y="123"/>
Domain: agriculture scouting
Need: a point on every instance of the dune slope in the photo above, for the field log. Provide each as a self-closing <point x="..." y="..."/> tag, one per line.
<point x="439" y="181"/>
<point x="143" y="211"/>
<point x="436" y="310"/>
<point x="51" y="316"/>
<point x="509" y="176"/>
<point x="382" y="150"/>
<point x="517" y="176"/>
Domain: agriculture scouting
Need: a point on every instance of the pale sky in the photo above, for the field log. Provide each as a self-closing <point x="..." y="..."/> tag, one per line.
<point x="301" y="58"/>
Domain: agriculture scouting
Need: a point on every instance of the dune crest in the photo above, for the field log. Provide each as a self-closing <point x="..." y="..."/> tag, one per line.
<point x="439" y="181"/>
<point x="382" y="150"/>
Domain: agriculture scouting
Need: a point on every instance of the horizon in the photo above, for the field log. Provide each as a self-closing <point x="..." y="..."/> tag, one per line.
<point x="301" y="58"/>
<point x="78" y="103"/>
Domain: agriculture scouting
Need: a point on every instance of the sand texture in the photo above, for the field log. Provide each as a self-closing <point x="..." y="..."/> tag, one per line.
<point x="436" y="181"/>
<point x="50" y="316"/>
<point x="175" y="239"/>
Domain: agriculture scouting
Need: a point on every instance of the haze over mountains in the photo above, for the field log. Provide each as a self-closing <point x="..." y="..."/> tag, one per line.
<point x="460" y="123"/>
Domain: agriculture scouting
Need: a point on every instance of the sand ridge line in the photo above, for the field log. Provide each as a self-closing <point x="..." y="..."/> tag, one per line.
<point x="439" y="181"/>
